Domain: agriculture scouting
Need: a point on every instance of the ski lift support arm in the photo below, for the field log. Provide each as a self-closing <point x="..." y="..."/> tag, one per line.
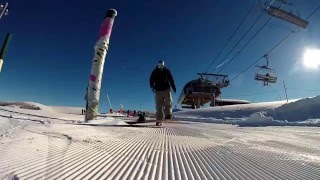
<point x="277" y="12"/>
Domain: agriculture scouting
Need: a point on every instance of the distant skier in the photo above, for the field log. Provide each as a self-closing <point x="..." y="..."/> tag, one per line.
<point x="86" y="97"/>
<point x="128" y="113"/>
<point x="161" y="81"/>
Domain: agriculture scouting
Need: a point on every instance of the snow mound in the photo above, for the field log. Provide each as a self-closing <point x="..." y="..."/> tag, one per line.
<point x="301" y="110"/>
<point x="40" y="107"/>
<point x="260" y="119"/>
<point x="33" y="110"/>
<point x="25" y="105"/>
<point x="304" y="112"/>
<point x="227" y="112"/>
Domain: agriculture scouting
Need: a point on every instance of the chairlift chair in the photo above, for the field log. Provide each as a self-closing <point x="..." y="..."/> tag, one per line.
<point x="265" y="73"/>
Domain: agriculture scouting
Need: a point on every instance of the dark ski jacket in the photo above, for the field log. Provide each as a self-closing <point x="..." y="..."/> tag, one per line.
<point x="161" y="80"/>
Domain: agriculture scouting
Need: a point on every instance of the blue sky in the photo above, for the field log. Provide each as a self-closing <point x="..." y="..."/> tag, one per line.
<point x="49" y="56"/>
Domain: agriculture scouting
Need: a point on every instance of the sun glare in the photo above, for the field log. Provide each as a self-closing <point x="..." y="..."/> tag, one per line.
<point x="311" y="58"/>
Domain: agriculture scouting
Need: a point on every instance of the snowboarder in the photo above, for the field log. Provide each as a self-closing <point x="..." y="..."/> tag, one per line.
<point x="141" y="118"/>
<point x="161" y="81"/>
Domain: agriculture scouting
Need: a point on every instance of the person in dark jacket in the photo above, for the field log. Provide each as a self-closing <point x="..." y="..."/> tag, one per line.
<point x="161" y="83"/>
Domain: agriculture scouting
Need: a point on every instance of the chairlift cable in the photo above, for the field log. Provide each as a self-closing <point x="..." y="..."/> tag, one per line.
<point x="311" y="14"/>
<point x="223" y="60"/>
<point x="228" y="62"/>
<point x="232" y="35"/>
<point x="238" y="42"/>
<point x="287" y="36"/>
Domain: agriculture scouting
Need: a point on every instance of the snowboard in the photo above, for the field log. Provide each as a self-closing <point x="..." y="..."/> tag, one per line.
<point x="144" y="121"/>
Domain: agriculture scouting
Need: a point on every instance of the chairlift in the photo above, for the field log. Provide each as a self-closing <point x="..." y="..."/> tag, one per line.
<point x="265" y="74"/>
<point x="202" y="90"/>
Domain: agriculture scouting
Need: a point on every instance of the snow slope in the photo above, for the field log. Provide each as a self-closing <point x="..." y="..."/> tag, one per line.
<point x="40" y="110"/>
<point x="25" y="105"/>
<point x="67" y="110"/>
<point x="20" y="114"/>
<point x="303" y="112"/>
<point x="51" y="146"/>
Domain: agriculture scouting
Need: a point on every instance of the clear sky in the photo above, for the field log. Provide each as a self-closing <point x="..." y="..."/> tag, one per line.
<point x="49" y="57"/>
